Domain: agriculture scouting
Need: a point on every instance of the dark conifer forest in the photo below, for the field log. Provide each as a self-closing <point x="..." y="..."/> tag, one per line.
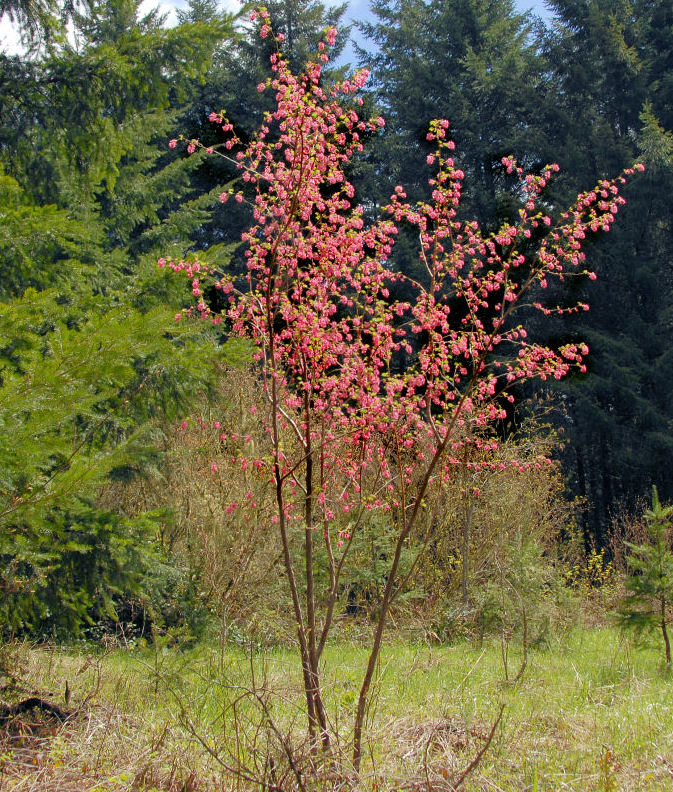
<point x="95" y="374"/>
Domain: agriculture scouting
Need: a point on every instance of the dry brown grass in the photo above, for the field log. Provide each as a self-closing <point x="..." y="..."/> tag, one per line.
<point x="113" y="738"/>
<point x="99" y="749"/>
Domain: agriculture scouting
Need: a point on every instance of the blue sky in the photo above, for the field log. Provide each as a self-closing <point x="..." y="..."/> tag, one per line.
<point x="537" y="7"/>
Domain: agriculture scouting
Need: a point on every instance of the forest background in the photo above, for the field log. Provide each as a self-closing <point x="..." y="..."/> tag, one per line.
<point x="125" y="422"/>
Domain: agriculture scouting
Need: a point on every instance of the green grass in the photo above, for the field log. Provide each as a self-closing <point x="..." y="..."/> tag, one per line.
<point x="590" y="713"/>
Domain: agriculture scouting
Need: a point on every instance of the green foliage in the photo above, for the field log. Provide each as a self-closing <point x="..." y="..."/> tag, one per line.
<point x="93" y="369"/>
<point x="84" y="105"/>
<point x="39" y="245"/>
<point x="650" y="578"/>
<point x="85" y="391"/>
<point x="609" y="102"/>
<point x="69" y="572"/>
<point x="472" y="62"/>
<point x="364" y="577"/>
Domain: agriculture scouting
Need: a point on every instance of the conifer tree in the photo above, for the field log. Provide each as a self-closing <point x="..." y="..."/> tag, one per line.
<point x="92" y="369"/>
<point x="649" y="581"/>
<point x="87" y="381"/>
<point x="83" y="397"/>
<point x="89" y="96"/>
<point x="608" y="102"/>
<point x="471" y="61"/>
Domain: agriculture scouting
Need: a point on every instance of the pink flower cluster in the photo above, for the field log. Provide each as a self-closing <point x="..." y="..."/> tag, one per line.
<point x="320" y="304"/>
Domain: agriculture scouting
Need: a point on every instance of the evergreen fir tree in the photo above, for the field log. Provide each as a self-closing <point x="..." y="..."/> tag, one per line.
<point x="92" y="365"/>
<point x="650" y="578"/>
<point x="470" y="61"/>
<point x="609" y="102"/>
<point x="85" y="392"/>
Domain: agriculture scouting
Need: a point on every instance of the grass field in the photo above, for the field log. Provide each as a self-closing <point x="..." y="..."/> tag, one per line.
<point x="591" y="712"/>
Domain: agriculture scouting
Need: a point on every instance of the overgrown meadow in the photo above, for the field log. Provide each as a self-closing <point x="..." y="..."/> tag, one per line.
<point x="593" y="712"/>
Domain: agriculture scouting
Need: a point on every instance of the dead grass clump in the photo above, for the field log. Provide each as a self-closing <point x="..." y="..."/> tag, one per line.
<point x="99" y="749"/>
<point x="435" y="735"/>
<point x="434" y="755"/>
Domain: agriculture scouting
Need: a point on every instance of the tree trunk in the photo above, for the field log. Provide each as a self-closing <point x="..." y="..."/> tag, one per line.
<point x="664" y="632"/>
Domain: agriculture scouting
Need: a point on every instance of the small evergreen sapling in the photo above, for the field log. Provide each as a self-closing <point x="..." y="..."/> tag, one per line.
<point x="649" y="580"/>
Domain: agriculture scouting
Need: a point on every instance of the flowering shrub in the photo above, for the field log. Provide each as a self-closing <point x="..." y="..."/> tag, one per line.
<point x="349" y="430"/>
<point x="595" y="571"/>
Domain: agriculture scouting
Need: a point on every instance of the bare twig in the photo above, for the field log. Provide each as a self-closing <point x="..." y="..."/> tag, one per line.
<point x="480" y="755"/>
